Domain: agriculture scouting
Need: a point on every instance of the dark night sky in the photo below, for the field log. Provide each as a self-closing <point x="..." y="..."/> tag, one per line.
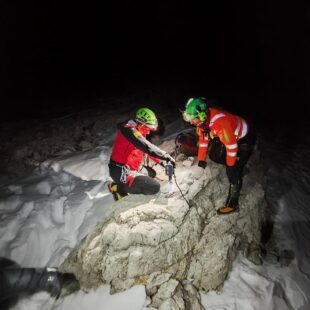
<point x="52" y="52"/>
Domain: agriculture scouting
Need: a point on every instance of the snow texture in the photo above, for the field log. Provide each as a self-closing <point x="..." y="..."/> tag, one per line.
<point x="46" y="211"/>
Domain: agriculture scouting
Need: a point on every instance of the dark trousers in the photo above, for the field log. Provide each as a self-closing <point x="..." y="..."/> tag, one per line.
<point x="16" y="281"/>
<point x="141" y="184"/>
<point x="245" y="149"/>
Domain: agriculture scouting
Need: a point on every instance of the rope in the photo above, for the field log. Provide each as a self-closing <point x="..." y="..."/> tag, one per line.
<point x="176" y="183"/>
<point x="177" y="148"/>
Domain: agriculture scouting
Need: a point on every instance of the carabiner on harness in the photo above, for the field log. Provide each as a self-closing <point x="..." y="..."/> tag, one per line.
<point x="125" y="173"/>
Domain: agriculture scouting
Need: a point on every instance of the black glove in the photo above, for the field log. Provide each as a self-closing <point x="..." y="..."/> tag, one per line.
<point x="202" y="164"/>
<point x="150" y="171"/>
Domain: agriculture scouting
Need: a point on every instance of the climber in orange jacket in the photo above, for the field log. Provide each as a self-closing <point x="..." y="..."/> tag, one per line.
<point x="236" y="135"/>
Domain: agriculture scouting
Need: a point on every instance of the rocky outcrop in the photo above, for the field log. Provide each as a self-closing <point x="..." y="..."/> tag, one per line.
<point x="173" y="246"/>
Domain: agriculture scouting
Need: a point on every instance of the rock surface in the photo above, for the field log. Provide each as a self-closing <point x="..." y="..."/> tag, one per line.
<point x="172" y="246"/>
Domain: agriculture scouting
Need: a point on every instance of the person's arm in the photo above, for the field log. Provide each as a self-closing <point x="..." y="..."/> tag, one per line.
<point x="141" y="143"/>
<point x="154" y="159"/>
<point x="203" y="143"/>
<point x="228" y="138"/>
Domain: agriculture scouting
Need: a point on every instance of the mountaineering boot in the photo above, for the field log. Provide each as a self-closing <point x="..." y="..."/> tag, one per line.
<point x="113" y="189"/>
<point x="232" y="201"/>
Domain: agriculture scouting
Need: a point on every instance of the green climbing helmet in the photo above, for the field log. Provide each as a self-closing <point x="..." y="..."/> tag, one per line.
<point x="195" y="108"/>
<point x="147" y="117"/>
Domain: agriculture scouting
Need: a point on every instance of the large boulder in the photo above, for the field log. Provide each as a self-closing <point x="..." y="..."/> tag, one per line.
<point x="174" y="243"/>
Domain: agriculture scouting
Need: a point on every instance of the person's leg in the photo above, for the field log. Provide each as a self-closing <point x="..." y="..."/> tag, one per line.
<point x="7" y="300"/>
<point x="117" y="188"/>
<point x="234" y="175"/>
<point x="139" y="185"/>
<point x="16" y="281"/>
<point x="143" y="185"/>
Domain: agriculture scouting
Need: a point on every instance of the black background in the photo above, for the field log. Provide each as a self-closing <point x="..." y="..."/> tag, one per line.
<point x="254" y="56"/>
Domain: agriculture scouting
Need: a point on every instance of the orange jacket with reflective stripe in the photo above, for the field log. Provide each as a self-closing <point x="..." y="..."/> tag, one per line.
<point x="228" y="127"/>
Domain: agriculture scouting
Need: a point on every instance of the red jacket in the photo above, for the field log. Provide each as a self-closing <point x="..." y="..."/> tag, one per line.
<point x="228" y="127"/>
<point x="130" y="146"/>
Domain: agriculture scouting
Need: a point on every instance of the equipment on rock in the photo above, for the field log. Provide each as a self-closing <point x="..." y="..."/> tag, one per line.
<point x="186" y="143"/>
<point x="169" y="170"/>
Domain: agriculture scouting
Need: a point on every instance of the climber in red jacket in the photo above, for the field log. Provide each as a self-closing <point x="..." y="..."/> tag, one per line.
<point x="129" y="151"/>
<point x="236" y="135"/>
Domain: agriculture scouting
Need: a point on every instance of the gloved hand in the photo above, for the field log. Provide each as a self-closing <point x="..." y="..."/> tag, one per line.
<point x="171" y="159"/>
<point x="202" y="164"/>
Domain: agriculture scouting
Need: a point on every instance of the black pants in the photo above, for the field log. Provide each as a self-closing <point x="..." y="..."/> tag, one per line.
<point x="141" y="184"/>
<point x="245" y="149"/>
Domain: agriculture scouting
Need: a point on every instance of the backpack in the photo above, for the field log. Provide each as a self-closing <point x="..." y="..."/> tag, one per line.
<point x="187" y="144"/>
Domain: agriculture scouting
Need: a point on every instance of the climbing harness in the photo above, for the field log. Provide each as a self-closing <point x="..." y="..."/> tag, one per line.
<point x="125" y="173"/>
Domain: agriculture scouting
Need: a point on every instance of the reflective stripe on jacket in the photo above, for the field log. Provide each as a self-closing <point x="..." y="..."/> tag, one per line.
<point x="228" y="127"/>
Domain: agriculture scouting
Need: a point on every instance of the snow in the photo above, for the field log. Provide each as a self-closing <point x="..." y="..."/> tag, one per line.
<point x="133" y="299"/>
<point x="44" y="214"/>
